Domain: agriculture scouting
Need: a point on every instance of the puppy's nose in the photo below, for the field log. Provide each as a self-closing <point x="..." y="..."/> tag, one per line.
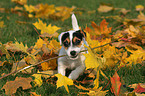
<point x="73" y="53"/>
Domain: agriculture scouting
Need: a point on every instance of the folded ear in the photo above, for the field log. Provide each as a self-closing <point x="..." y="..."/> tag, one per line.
<point x="74" y="23"/>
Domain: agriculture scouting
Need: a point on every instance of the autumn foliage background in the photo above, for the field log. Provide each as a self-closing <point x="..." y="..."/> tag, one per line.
<point x="29" y="47"/>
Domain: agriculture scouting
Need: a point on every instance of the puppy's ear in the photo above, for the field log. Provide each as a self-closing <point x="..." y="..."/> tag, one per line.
<point x="74" y="23"/>
<point x="59" y="37"/>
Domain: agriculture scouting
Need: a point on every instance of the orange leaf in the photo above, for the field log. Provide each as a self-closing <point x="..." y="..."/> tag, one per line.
<point x="11" y="86"/>
<point x="139" y="89"/>
<point x="116" y="84"/>
<point x="101" y="30"/>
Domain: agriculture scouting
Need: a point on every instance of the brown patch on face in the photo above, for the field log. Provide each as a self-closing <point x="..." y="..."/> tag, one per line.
<point x="66" y="43"/>
<point x="77" y="42"/>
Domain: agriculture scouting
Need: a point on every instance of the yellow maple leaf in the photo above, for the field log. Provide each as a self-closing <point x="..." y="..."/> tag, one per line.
<point x="40" y="43"/>
<point x="137" y="56"/>
<point x="38" y="81"/>
<point x="52" y="29"/>
<point x="63" y="81"/>
<point x="49" y="30"/>
<point x="92" y="43"/>
<point x="30" y="8"/>
<point x="92" y="60"/>
<point x="54" y="45"/>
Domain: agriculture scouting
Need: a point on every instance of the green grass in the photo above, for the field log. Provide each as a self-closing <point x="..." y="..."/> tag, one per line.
<point x="25" y="33"/>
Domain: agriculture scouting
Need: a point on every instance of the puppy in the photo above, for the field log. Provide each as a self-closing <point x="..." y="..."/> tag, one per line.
<point x="72" y="43"/>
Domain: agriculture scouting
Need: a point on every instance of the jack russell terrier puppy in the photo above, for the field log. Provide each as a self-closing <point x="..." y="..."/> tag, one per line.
<point x="72" y="43"/>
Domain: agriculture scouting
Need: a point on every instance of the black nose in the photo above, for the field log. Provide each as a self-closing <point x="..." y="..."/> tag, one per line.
<point x="73" y="53"/>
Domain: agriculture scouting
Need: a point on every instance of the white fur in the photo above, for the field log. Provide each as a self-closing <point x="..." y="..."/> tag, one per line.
<point x="75" y="64"/>
<point x="74" y="23"/>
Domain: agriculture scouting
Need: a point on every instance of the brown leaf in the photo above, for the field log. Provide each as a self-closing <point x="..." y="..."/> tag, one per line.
<point x="50" y="64"/>
<point x="11" y="86"/>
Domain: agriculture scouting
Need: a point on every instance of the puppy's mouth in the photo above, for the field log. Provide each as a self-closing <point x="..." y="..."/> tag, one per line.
<point x="74" y="56"/>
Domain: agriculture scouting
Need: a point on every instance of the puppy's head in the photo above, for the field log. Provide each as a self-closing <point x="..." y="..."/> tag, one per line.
<point x="73" y="42"/>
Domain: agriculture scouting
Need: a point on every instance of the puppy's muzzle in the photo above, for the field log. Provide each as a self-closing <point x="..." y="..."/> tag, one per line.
<point x="73" y="54"/>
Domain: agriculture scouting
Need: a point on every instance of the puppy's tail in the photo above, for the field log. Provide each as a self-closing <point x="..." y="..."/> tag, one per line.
<point x="74" y="23"/>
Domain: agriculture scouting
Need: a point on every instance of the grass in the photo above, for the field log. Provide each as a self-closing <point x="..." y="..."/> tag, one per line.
<point x="25" y="33"/>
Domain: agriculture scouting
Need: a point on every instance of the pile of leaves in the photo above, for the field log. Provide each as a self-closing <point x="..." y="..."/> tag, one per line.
<point x="107" y="49"/>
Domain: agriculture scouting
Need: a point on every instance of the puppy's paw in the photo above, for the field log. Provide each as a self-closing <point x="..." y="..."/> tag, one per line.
<point x="73" y="75"/>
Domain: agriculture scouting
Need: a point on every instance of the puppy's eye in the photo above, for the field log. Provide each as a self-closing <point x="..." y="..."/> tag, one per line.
<point x="66" y="44"/>
<point x="77" y="42"/>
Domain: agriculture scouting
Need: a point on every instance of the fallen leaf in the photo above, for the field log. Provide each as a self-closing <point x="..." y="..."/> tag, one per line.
<point x="63" y="81"/>
<point x="105" y="8"/>
<point x="141" y="16"/>
<point x="139" y="89"/>
<point x="49" y="65"/>
<point x="116" y="84"/>
<point x="48" y="73"/>
<point x="2" y="10"/>
<point x="18" y="65"/>
<point x="3" y="50"/>
<point x="54" y="45"/>
<point x="92" y="60"/>
<point x="11" y="86"/>
<point x="139" y="8"/>
<point x="124" y="11"/>
<point x="34" y="94"/>
<point x="21" y="2"/>
<point x="37" y="81"/>
<point x="102" y="30"/>
<point x="2" y="24"/>
<point x="91" y="12"/>
<point x="97" y="92"/>
<point x="49" y="30"/>
<point x="16" y="8"/>
<point x="62" y="12"/>
<point x="16" y="47"/>
<point x="81" y="87"/>
<point x="44" y="10"/>
<point x="30" y="8"/>
<point x="137" y="55"/>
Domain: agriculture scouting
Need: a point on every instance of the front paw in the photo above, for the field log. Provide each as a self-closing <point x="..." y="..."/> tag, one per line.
<point x="73" y="76"/>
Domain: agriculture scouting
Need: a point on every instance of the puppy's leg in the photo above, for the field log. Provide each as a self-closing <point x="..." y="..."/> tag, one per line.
<point x="75" y="73"/>
<point x="61" y="68"/>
